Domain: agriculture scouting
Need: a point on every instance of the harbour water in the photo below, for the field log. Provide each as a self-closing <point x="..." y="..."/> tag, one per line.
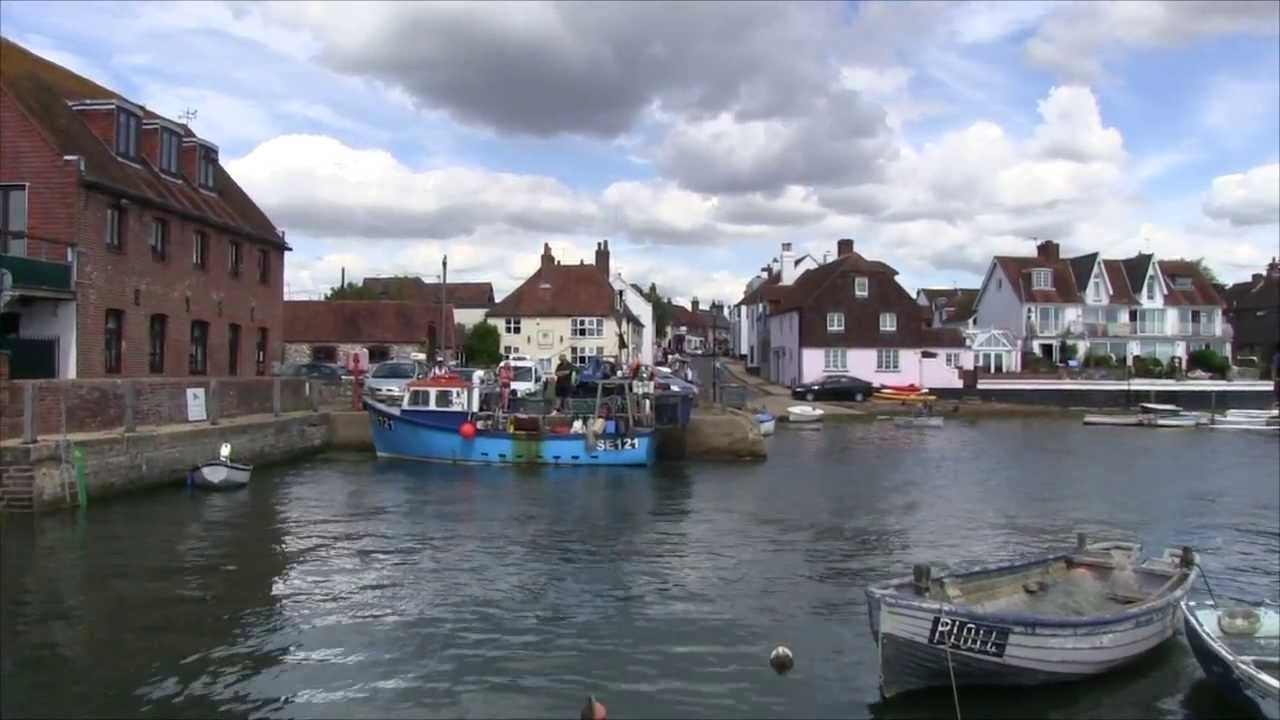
<point x="346" y="586"/>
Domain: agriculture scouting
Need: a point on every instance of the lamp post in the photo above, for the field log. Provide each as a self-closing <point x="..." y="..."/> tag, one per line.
<point x="444" y="284"/>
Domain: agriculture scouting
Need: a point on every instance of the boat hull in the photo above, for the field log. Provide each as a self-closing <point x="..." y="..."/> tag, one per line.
<point x="406" y="437"/>
<point x="1251" y="689"/>
<point x="1112" y="420"/>
<point x="221" y="475"/>
<point x="803" y="414"/>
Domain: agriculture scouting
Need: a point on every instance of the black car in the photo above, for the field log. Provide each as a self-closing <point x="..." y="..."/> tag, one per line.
<point x="834" y="387"/>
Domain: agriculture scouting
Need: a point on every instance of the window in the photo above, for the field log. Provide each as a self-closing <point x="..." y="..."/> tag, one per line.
<point x="13" y="220"/>
<point x="1049" y="320"/>
<point x="586" y="327"/>
<point x="379" y="354"/>
<point x="113" y="342"/>
<point x="115" y="228"/>
<point x="860" y="286"/>
<point x="233" y="257"/>
<point x="952" y="359"/>
<point x="262" y="351"/>
<point x="1151" y="322"/>
<point x="233" y="349"/>
<point x="159" y="325"/>
<point x="159" y="238"/>
<point x="1041" y="279"/>
<point x="1186" y="320"/>
<point x="208" y="159"/>
<point x="580" y="354"/>
<point x="199" y="249"/>
<point x="169" y="143"/>
<point x="127" y="125"/>
<point x="888" y="322"/>
<point x="1182" y="282"/>
<point x="1095" y="290"/>
<point x="510" y="350"/>
<point x="835" y="322"/>
<point x="886" y="360"/>
<point x="835" y="360"/>
<point x="511" y="326"/>
<point x="321" y="353"/>
<point x="1151" y="287"/>
<point x="1095" y="315"/>
<point x="198" y="360"/>
<point x="999" y="283"/>
<point x="264" y="266"/>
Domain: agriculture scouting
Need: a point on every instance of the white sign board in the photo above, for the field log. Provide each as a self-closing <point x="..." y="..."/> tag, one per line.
<point x="195" y="405"/>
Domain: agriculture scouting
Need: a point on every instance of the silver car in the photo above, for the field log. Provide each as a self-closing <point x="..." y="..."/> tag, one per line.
<point x="387" y="380"/>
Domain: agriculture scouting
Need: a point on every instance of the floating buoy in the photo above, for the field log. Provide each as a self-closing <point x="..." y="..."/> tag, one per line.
<point x="593" y="710"/>
<point x="467" y="430"/>
<point x="781" y="659"/>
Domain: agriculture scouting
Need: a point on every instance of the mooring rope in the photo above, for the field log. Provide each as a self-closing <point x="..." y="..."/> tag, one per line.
<point x="955" y="694"/>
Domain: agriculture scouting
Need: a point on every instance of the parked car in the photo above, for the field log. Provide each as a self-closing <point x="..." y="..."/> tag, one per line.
<point x="834" y="387"/>
<point x="387" y="380"/>
<point x="324" y="372"/>
<point x="666" y="380"/>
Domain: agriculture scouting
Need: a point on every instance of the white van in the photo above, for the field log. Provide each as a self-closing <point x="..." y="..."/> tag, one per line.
<point x="526" y="376"/>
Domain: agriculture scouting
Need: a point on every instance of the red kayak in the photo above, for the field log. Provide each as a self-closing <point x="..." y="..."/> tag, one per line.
<point x="902" y="388"/>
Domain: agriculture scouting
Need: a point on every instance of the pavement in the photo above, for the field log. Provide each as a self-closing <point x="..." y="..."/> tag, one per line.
<point x="775" y="399"/>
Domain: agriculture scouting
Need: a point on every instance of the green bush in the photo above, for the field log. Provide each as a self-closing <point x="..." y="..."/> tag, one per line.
<point x="1099" y="361"/>
<point x="1067" y="351"/>
<point x="482" y="345"/>
<point x="1208" y="360"/>
<point x="1149" y="367"/>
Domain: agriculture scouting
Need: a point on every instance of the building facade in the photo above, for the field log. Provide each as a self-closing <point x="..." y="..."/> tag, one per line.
<point x="764" y="293"/>
<point x="1253" y="312"/>
<point x="329" y="331"/>
<point x="130" y="251"/>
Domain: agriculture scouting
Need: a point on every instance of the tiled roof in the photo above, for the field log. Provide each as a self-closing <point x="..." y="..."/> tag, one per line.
<point x="1135" y="271"/>
<point x="1018" y="270"/>
<point x="683" y="316"/>
<point x="1121" y="293"/>
<point x="1082" y="269"/>
<point x="1201" y="291"/>
<point x="409" y="287"/>
<point x="362" y="321"/>
<point x="43" y="90"/>
<point x="1261" y="294"/>
<point x="757" y="294"/>
<point x="961" y="301"/>
<point x="560" y="291"/>
<point x="813" y="281"/>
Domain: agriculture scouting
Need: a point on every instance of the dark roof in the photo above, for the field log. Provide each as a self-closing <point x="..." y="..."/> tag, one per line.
<point x="1121" y="293"/>
<point x="408" y="287"/>
<point x="1082" y="269"/>
<point x="1018" y="270"/>
<point x="43" y="90"/>
<point x="1262" y="293"/>
<point x="560" y="291"/>
<point x="362" y="321"/>
<point x="1201" y="291"/>
<point x="813" y="281"/>
<point x="757" y="294"/>
<point x="962" y="302"/>
<point x="1135" y="271"/>
<point x="681" y="315"/>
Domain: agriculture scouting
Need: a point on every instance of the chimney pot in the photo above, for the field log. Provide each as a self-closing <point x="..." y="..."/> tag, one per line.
<point x="1047" y="250"/>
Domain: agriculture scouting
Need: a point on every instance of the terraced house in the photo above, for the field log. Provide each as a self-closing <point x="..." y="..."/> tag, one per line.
<point x="128" y="249"/>
<point x="1118" y="308"/>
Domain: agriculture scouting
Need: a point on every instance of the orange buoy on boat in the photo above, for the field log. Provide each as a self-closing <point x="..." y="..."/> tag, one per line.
<point x="467" y="430"/>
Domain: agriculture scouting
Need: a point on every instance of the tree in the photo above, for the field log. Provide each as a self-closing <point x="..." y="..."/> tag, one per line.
<point x="352" y="291"/>
<point x="1207" y="271"/>
<point x="661" y="311"/>
<point x="481" y="346"/>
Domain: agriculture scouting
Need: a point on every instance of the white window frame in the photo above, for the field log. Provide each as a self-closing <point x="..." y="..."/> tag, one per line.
<point x="835" y="322"/>
<point x="952" y="359"/>
<point x="1095" y="290"/>
<point x="887" y="360"/>
<point x="861" y="286"/>
<point x="1041" y="279"/>
<point x="835" y="359"/>
<point x="1151" y="288"/>
<point x="586" y="327"/>
<point x="511" y="326"/>
<point x="580" y="354"/>
<point x="891" y="325"/>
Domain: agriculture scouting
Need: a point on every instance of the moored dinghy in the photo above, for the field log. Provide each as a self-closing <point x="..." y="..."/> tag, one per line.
<point x="765" y="421"/>
<point x="1239" y="650"/>
<point x="221" y="474"/>
<point x="1051" y="619"/>
<point x="804" y="414"/>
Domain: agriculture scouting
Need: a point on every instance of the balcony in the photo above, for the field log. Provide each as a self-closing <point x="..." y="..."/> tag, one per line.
<point x="1107" y="329"/>
<point x="39" y="278"/>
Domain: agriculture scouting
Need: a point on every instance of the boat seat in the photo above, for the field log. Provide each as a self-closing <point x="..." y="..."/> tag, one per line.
<point x="1106" y="561"/>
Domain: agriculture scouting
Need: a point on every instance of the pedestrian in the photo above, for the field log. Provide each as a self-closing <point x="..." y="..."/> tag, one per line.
<point x="505" y="375"/>
<point x="439" y="369"/>
<point x="564" y="382"/>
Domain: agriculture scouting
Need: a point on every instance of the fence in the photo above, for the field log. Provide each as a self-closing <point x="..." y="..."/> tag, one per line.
<point x="50" y="407"/>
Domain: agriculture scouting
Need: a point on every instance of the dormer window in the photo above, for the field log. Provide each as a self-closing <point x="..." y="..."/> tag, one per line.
<point x="169" y="144"/>
<point x="1041" y="279"/>
<point x="860" y="286"/>
<point x="127" y="126"/>
<point x="208" y="159"/>
<point x="1182" y="282"/>
<point x="1151" y="288"/>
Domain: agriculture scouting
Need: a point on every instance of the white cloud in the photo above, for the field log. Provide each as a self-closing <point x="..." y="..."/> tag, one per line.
<point x="1235" y="108"/>
<point x="1248" y="198"/>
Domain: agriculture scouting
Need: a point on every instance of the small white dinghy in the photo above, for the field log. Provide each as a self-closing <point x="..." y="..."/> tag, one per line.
<point x="1239" y="650"/>
<point x="1112" y="419"/>
<point x="804" y="414"/>
<point x="221" y="474"/>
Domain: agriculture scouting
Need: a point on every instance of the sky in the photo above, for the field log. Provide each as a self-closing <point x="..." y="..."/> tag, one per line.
<point x="697" y="138"/>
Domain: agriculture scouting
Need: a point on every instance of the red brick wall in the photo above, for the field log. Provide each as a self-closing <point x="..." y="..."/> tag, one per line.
<point x="27" y="157"/>
<point x="99" y="405"/>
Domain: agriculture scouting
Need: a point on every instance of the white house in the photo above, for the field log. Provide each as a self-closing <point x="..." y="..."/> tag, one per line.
<point x="641" y="308"/>
<point x="763" y="292"/>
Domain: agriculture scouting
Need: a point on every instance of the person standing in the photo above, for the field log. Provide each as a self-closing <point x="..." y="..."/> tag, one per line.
<point x="505" y="375"/>
<point x="564" y="382"/>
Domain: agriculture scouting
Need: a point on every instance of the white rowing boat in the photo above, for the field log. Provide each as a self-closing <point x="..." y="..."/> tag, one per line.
<point x="1045" y="620"/>
<point x="1112" y="419"/>
<point x="804" y="414"/>
<point x="221" y="474"/>
<point x="1239" y="650"/>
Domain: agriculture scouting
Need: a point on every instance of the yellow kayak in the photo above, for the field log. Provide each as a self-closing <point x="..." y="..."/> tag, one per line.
<point x="904" y="398"/>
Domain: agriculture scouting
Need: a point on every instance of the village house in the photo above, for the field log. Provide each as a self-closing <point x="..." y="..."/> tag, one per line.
<point x="1043" y="304"/>
<point x="570" y="310"/>
<point x="128" y="248"/>
<point x="850" y="316"/>
<point x="1253" y="311"/>
<point x="635" y="302"/>
<point x="469" y="300"/>
<point x="330" y="331"/>
<point x="763" y="293"/>
<point x="948" y="307"/>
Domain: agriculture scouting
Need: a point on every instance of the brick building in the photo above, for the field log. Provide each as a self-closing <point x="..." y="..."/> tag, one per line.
<point x="130" y="249"/>
<point x="330" y="330"/>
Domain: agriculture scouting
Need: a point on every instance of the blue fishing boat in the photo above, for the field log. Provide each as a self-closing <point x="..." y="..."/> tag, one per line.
<point x="445" y="419"/>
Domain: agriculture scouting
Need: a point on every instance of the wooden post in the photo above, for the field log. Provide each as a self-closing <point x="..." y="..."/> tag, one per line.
<point x="313" y="392"/>
<point x="214" y="410"/>
<point x="275" y="397"/>
<point x="29" y="413"/>
<point x="130" y="401"/>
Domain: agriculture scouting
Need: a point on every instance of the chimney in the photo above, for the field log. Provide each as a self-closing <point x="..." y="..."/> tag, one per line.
<point x="1257" y="277"/>
<point x="1273" y="269"/>
<point x="548" y="260"/>
<point x="788" y="265"/>
<point x="602" y="257"/>
<point x="1047" y="250"/>
<point x="693" y="304"/>
<point x="844" y="246"/>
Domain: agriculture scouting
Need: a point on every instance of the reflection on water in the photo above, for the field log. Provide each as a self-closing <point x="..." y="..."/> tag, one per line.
<point x="346" y="586"/>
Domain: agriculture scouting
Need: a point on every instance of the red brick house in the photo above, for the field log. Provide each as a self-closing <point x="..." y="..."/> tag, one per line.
<point x="130" y="250"/>
<point x="329" y="330"/>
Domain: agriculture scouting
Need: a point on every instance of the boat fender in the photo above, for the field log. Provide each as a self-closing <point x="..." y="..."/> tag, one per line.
<point x="920" y="576"/>
<point x="781" y="660"/>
